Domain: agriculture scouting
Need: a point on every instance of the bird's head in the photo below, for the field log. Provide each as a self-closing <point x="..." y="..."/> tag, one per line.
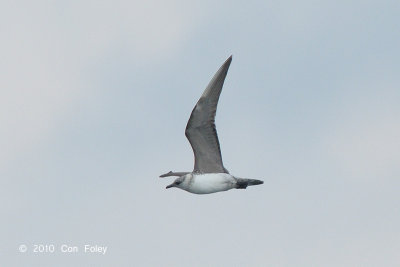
<point x="177" y="183"/>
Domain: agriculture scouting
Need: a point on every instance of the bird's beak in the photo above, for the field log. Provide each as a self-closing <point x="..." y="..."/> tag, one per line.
<point x="169" y="186"/>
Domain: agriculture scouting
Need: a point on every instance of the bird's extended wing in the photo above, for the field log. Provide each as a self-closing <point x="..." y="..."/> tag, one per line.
<point x="200" y="129"/>
<point x="171" y="173"/>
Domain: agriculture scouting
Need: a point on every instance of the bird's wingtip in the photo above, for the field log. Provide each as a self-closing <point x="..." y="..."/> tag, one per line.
<point x="227" y="61"/>
<point x="165" y="174"/>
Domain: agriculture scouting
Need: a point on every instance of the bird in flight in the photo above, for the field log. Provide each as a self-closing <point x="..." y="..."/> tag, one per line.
<point x="209" y="174"/>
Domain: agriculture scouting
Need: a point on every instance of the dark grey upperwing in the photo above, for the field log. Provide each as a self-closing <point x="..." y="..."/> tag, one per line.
<point x="200" y="129"/>
<point x="171" y="173"/>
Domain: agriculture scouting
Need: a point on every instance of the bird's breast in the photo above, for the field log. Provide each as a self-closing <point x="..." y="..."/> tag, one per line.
<point x="210" y="183"/>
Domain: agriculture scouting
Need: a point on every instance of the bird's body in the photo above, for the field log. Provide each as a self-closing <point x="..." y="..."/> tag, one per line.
<point x="209" y="174"/>
<point x="207" y="183"/>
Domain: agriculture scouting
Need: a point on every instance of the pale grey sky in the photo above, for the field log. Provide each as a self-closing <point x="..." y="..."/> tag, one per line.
<point x="95" y="96"/>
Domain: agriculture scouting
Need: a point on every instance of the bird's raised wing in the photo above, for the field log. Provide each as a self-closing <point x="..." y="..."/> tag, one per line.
<point x="200" y="129"/>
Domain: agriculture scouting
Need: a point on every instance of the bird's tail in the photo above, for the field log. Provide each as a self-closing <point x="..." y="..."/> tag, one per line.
<point x="242" y="183"/>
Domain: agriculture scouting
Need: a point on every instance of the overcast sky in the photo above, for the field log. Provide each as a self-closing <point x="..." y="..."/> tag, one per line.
<point x="95" y="96"/>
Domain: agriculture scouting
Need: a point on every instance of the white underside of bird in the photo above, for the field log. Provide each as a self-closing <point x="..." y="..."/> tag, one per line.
<point x="207" y="183"/>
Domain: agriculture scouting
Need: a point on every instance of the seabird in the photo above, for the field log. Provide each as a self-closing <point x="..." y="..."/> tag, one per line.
<point x="209" y="174"/>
